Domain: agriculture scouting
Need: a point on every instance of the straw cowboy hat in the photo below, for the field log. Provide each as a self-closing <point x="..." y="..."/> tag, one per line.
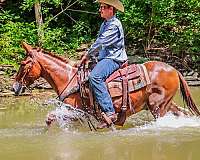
<point x="115" y="3"/>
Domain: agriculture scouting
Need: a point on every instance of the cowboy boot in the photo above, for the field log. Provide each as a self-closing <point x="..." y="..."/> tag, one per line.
<point x="108" y="120"/>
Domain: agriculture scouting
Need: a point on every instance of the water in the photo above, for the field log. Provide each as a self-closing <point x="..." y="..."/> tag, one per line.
<point x="23" y="135"/>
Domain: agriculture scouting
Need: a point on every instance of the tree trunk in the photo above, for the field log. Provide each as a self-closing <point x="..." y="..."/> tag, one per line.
<point x="2" y="3"/>
<point x="39" y="21"/>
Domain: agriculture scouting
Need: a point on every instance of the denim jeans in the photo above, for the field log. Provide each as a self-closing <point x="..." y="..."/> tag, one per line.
<point x="97" y="77"/>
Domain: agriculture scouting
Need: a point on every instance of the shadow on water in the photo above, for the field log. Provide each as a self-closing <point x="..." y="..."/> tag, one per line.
<point x="23" y="135"/>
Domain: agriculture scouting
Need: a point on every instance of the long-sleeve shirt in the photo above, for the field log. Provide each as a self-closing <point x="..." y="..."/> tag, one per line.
<point x="110" y="41"/>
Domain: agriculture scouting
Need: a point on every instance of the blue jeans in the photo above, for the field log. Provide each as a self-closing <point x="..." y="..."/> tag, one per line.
<point x="97" y="77"/>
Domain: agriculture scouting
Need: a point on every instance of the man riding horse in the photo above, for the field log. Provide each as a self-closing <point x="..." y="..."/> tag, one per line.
<point x="110" y="49"/>
<point x="151" y="85"/>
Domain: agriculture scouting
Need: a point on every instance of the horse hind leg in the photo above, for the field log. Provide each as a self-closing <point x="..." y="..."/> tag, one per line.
<point x="156" y="100"/>
<point x="160" y="102"/>
<point x="159" y="106"/>
<point x="177" y="110"/>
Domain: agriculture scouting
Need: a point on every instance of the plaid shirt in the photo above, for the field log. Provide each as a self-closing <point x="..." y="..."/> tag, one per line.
<point x="110" y="41"/>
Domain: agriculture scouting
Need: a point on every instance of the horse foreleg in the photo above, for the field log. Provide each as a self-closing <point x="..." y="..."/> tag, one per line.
<point x="50" y="119"/>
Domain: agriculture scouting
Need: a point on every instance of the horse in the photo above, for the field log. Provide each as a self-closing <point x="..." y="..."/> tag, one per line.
<point x="57" y="71"/>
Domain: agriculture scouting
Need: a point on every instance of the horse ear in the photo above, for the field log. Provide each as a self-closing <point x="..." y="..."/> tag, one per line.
<point x="27" y="47"/>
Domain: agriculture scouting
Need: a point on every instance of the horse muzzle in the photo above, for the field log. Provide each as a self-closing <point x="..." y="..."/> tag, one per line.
<point x="18" y="88"/>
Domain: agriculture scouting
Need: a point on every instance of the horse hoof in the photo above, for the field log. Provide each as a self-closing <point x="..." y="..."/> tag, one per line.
<point x="50" y="118"/>
<point x="102" y="125"/>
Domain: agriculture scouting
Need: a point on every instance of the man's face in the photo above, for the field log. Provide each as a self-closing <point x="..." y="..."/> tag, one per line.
<point x="106" y="11"/>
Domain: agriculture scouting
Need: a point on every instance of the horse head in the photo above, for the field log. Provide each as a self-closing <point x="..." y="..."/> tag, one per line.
<point x="28" y="72"/>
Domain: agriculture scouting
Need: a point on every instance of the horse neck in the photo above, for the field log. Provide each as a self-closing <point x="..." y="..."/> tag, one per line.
<point x="56" y="72"/>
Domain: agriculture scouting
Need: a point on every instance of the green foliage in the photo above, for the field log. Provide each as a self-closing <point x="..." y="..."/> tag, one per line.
<point x="63" y="34"/>
<point x="27" y="4"/>
<point x="11" y="35"/>
<point x="148" y="24"/>
<point x="172" y="24"/>
<point x="66" y="41"/>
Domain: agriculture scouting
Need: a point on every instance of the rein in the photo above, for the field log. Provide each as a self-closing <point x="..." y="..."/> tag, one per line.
<point x="90" y="124"/>
<point x="58" y="97"/>
<point x="79" y="66"/>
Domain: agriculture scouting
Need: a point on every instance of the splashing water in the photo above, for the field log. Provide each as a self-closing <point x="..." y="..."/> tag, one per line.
<point x="63" y="117"/>
<point x="172" y="121"/>
<point x="66" y="115"/>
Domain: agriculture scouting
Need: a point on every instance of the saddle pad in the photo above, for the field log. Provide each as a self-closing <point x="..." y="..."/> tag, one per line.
<point x="131" y="70"/>
<point x="134" y="83"/>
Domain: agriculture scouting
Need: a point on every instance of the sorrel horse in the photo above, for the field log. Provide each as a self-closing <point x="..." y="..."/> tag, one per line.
<point x="165" y="81"/>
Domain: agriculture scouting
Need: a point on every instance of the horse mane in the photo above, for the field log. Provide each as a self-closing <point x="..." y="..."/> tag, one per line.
<point x="66" y="60"/>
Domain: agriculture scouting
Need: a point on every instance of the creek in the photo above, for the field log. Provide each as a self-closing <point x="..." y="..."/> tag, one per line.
<point x="23" y="135"/>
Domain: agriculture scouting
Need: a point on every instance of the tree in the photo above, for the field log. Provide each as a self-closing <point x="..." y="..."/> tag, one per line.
<point x="39" y="22"/>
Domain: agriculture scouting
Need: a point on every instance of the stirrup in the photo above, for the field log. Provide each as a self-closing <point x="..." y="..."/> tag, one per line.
<point x="108" y="122"/>
<point x="106" y="118"/>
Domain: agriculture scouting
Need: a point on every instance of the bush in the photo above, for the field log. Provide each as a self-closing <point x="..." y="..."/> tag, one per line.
<point x="172" y="24"/>
<point x="11" y="36"/>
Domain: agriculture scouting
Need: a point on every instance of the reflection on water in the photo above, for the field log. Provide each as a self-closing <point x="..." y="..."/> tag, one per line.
<point x="23" y="136"/>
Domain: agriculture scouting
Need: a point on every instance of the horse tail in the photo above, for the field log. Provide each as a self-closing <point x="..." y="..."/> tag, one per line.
<point x="186" y="95"/>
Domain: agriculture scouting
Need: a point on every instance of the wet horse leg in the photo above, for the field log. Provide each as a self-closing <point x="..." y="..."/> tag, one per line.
<point x="160" y="105"/>
<point x="156" y="100"/>
<point x="177" y="110"/>
<point x="160" y="102"/>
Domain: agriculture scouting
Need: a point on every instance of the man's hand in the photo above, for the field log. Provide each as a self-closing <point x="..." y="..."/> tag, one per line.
<point x="83" y="60"/>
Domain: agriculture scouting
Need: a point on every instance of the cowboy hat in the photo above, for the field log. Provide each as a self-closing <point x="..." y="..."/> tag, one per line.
<point x="115" y="3"/>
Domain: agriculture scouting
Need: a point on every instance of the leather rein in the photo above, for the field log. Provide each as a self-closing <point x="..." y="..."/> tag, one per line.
<point x="23" y="83"/>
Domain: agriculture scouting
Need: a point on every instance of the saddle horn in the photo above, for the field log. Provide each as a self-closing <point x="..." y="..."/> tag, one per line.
<point x="27" y="47"/>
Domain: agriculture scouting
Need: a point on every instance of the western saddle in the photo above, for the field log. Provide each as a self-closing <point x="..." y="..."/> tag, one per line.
<point x="123" y="81"/>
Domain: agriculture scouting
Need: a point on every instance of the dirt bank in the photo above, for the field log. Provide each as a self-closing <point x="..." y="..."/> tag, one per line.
<point x="7" y="74"/>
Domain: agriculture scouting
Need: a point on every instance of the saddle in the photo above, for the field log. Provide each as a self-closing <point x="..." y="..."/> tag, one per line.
<point x="136" y="76"/>
<point x="127" y="79"/>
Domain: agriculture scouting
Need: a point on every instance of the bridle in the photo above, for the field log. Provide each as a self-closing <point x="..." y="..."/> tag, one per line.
<point x="30" y="61"/>
<point x="27" y="70"/>
<point x="28" y="65"/>
<point x="22" y="79"/>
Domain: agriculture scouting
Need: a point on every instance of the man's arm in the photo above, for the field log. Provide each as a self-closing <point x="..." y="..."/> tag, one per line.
<point x="107" y="38"/>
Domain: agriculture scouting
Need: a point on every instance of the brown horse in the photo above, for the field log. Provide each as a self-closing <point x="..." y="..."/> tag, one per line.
<point x="165" y="81"/>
